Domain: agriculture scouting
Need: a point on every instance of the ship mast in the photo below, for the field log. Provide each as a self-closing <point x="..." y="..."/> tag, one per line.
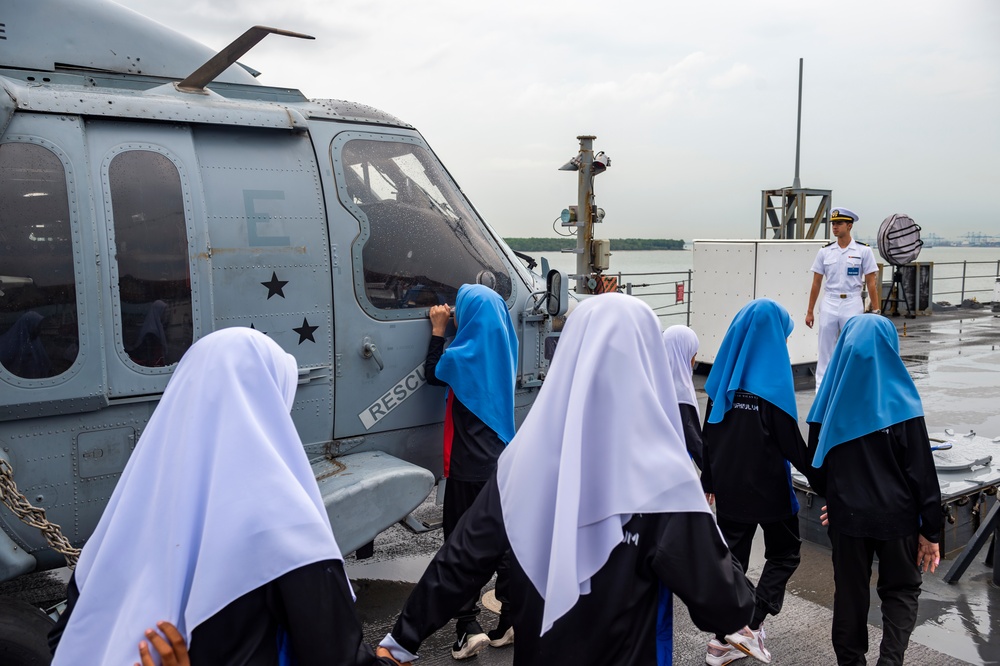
<point x="784" y="212"/>
<point x="592" y="254"/>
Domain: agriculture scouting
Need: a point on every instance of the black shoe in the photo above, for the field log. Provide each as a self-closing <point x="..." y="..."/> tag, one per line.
<point x="471" y="641"/>
<point x="504" y="633"/>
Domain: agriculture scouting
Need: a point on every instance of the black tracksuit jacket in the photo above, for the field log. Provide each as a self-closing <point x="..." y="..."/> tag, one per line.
<point x="692" y="434"/>
<point x="474" y="447"/>
<point x="313" y="603"/>
<point x="745" y="458"/>
<point x="615" y="623"/>
<point x="882" y="485"/>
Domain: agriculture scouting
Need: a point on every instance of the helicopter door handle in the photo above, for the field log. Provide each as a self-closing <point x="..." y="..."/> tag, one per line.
<point x="370" y="350"/>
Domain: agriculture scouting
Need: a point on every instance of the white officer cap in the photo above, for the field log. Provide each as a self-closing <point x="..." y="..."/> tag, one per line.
<point x="843" y="215"/>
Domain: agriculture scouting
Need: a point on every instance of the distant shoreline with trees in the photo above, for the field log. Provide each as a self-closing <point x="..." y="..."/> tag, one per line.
<point x="617" y="244"/>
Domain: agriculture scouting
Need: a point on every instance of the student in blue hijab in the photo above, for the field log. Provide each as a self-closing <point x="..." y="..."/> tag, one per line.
<point x="479" y="369"/>
<point x="750" y="437"/>
<point x="875" y="468"/>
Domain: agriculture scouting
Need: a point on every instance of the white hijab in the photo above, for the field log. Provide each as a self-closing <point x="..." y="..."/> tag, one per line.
<point x="217" y="499"/>
<point x="682" y="344"/>
<point x="603" y="441"/>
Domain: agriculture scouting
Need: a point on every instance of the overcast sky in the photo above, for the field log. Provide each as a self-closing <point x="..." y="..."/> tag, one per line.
<point x="695" y="102"/>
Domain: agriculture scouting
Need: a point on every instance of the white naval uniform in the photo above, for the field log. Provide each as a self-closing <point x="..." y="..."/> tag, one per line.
<point x="843" y="271"/>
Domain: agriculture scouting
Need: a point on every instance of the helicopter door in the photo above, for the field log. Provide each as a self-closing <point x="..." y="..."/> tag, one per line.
<point x="414" y="241"/>
<point x="151" y="197"/>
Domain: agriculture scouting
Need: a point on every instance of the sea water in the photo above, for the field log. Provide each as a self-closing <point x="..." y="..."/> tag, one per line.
<point x="657" y="276"/>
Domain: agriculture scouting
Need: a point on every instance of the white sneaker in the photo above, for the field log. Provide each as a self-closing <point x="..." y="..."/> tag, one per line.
<point x="751" y="642"/>
<point x="720" y="654"/>
<point x="504" y="639"/>
<point x="471" y="642"/>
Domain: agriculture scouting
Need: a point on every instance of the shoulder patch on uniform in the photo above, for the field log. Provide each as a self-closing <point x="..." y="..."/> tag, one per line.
<point x="830" y="243"/>
<point x="860" y="243"/>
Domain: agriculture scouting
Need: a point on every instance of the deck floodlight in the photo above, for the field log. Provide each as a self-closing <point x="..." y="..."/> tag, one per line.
<point x="899" y="243"/>
<point x="899" y="239"/>
<point x="601" y="163"/>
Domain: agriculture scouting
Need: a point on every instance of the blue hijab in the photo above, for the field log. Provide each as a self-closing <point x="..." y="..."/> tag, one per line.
<point x="754" y="357"/>
<point x="481" y="362"/>
<point x="866" y="386"/>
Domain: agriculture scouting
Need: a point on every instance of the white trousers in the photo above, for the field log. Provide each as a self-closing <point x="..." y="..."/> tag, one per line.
<point x="833" y="316"/>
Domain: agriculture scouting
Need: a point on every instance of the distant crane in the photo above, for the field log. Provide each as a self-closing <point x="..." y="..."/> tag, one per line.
<point x="981" y="239"/>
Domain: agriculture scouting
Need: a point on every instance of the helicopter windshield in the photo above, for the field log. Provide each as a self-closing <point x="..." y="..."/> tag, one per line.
<point x="424" y="241"/>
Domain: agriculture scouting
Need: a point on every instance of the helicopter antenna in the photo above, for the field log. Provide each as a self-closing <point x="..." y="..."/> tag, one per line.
<point x="220" y="62"/>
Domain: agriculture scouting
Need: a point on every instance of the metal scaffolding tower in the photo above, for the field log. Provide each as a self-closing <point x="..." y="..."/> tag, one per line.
<point x="785" y="212"/>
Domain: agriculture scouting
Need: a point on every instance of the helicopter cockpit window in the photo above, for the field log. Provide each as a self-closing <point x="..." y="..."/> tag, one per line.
<point x="39" y="335"/>
<point x="154" y="278"/>
<point x="424" y="241"/>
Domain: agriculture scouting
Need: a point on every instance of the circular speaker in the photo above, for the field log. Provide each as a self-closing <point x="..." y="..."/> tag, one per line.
<point x="899" y="239"/>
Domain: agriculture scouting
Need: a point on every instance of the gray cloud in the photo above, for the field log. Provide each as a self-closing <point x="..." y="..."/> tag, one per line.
<point x="695" y="102"/>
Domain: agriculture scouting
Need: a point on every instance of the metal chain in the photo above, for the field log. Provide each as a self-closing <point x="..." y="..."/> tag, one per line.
<point x="34" y="516"/>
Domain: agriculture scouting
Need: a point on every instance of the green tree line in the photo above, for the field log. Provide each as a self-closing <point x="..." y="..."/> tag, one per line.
<point x="617" y="244"/>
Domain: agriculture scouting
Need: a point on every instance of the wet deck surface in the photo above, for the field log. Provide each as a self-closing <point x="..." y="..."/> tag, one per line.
<point x="954" y="359"/>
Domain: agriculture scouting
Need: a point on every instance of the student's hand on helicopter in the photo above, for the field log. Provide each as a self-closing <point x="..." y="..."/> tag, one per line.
<point x="824" y="518"/>
<point x="172" y="653"/>
<point x="928" y="555"/>
<point x="439" y="314"/>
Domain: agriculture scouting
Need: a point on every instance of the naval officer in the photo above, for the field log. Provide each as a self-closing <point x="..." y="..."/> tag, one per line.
<point x="847" y="266"/>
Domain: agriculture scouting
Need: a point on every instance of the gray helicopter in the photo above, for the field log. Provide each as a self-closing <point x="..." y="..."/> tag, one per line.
<point x="152" y="191"/>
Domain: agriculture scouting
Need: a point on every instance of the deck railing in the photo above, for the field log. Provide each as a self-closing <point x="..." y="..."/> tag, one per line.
<point x="974" y="277"/>
<point x="669" y="293"/>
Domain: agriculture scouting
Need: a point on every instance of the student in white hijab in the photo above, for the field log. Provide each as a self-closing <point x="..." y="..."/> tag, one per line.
<point x="682" y="346"/>
<point x="598" y="502"/>
<point x="217" y="526"/>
